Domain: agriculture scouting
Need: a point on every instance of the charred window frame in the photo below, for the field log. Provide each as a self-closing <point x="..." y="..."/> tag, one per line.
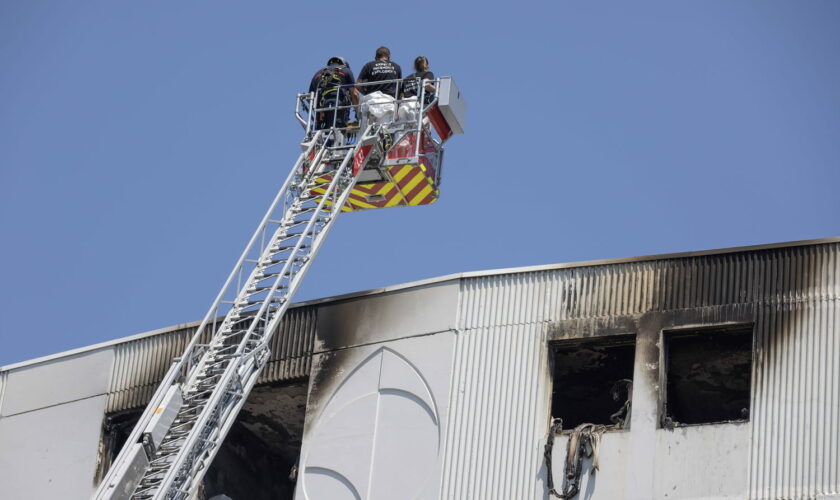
<point x="706" y="375"/>
<point x="592" y="381"/>
<point x="258" y="458"/>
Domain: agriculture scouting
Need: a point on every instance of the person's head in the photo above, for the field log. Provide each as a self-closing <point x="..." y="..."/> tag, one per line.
<point x="421" y="64"/>
<point x="337" y="60"/>
<point x="383" y="54"/>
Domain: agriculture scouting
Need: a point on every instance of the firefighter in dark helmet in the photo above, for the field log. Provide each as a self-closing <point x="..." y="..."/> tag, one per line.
<point x="334" y="85"/>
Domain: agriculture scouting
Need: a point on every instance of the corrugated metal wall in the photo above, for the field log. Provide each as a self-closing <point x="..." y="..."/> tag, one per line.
<point x="496" y="410"/>
<point x="3" y="376"/>
<point x="796" y="383"/>
<point x="140" y="365"/>
<point x="291" y="346"/>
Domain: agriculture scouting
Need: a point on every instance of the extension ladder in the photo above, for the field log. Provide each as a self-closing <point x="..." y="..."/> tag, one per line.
<point x="182" y="428"/>
<point x="185" y="422"/>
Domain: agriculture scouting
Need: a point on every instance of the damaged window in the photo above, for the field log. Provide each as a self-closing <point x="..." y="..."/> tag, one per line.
<point x="258" y="458"/>
<point x="593" y="381"/>
<point x="708" y="373"/>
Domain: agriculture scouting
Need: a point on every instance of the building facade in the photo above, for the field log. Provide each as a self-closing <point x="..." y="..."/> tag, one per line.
<point x="707" y="375"/>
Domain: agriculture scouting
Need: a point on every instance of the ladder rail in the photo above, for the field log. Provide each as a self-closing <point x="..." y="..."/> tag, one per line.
<point x="221" y="388"/>
<point x="183" y="364"/>
<point x="213" y="311"/>
<point x="251" y="375"/>
<point x="191" y="372"/>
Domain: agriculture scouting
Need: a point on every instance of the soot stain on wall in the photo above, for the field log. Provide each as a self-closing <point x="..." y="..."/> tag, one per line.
<point x="258" y="454"/>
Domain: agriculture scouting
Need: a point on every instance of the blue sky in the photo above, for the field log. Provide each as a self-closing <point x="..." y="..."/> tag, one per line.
<point x="140" y="143"/>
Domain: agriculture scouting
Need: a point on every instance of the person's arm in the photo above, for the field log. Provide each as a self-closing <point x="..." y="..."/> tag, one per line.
<point x="399" y="84"/>
<point x="429" y="86"/>
<point x="350" y="81"/>
<point x="363" y="77"/>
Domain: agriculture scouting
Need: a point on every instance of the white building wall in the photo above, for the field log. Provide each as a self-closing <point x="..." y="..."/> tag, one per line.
<point x="51" y="452"/>
<point x="498" y="403"/>
<point x="789" y="449"/>
<point x="51" y="424"/>
<point x="56" y="382"/>
<point x="479" y="347"/>
<point x="376" y="421"/>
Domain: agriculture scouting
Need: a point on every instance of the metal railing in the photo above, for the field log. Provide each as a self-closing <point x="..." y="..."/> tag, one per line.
<point x="307" y="110"/>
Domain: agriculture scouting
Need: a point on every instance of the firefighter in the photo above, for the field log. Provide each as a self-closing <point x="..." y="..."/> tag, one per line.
<point x="334" y="84"/>
<point x="382" y="68"/>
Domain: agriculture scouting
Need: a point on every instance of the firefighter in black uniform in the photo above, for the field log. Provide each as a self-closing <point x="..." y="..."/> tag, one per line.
<point x="411" y="87"/>
<point x="381" y="69"/>
<point x="334" y="85"/>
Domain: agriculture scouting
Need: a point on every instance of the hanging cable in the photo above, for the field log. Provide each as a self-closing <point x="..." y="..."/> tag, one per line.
<point x="556" y="428"/>
<point x="583" y="443"/>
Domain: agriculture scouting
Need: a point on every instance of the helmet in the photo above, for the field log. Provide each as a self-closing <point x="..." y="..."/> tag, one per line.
<point x="339" y="60"/>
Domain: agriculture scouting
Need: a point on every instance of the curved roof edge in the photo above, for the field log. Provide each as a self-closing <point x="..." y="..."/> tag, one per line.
<point x="566" y="265"/>
<point x="442" y="279"/>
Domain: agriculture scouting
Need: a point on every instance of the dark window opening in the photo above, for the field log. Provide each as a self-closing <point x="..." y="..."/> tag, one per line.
<point x="708" y="373"/>
<point x="593" y="381"/>
<point x="258" y="454"/>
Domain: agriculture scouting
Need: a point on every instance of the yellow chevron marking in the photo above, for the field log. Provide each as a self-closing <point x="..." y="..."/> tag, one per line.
<point x="422" y="194"/>
<point x="384" y="190"/>
<point x="412" y="183"/>
<point x="426" y="171"/>
<point x="393" y="201"/>
<point x="362" y="194"/>
<point x="345" y="208"/>
<point x="361" y="204"/>
<point x="411" y="174"/>
<point x="402" y="173"/>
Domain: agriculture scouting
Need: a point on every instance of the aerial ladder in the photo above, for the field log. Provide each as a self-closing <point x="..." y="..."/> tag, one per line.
<point x="392" y="157"/>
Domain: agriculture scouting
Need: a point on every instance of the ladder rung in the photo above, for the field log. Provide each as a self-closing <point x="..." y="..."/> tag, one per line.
<point x="272" y="299"/>
<point x="270" y="275"/>
<point x="287" y="247"/>
<point x="289" y="236"/>
<point x="272" y="263"/>
<point x="318" y="183"/>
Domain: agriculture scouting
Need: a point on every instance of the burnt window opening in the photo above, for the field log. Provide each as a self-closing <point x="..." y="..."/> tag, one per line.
<point x="256" y="458"/>
<point x="708" y="373"/>
<point x="592" y="381"/>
